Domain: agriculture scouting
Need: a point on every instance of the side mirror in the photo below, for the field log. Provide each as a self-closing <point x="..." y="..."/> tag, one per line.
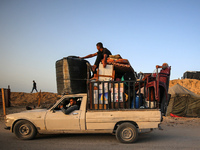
<point x="53" y="111"/>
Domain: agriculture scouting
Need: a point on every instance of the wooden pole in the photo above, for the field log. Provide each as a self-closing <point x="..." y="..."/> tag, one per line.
<point x="3" y="101"/>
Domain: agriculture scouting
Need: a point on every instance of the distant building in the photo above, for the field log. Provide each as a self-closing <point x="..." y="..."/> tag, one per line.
<point x="191" y="75"/>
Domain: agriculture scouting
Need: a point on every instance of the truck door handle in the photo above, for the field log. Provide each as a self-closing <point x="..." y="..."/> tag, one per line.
<point x="75" y="113"/>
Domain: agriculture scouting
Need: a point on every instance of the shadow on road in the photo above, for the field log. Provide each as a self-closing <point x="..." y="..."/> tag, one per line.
<point x="143" y="138"/>
<point x="74" y="136"/>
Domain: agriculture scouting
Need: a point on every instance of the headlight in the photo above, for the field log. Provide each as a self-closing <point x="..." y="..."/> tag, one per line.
<point x="8" y="120"/>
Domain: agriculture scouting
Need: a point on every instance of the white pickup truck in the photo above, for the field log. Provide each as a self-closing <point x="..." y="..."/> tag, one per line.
<point x="124" y="123"/>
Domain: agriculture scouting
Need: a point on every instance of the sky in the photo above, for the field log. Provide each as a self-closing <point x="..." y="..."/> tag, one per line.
<point x="34" y="34"/>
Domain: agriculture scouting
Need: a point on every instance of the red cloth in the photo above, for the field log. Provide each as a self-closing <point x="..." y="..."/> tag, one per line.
<point x="172" y="115"/>
<point x="165" y="71"/>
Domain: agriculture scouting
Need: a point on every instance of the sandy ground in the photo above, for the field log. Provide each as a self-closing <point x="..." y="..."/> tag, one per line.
<point x="25" y="99"/>
<point x="191" y="84"/>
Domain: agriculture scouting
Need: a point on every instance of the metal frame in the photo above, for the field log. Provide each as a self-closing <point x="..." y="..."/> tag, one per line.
<point x="129" y="88"/>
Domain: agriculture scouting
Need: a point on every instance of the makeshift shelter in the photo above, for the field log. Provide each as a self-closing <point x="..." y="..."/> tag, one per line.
<point x="183" y="102"/>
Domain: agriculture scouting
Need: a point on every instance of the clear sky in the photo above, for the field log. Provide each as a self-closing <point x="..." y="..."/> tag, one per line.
<point x="34" y="34"/>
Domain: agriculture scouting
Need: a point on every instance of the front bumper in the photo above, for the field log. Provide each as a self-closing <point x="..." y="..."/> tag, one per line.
<point x="159" y="127"/>
<point x="7" y="128"/>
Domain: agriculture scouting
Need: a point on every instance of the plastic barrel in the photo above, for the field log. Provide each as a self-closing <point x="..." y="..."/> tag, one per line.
<point x="137" y="105"/>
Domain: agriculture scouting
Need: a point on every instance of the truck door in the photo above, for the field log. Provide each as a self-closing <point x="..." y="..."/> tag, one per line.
<point x="57" y="120"/>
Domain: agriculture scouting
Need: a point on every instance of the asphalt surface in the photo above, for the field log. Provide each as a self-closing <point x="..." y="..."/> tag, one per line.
<point x="171" y="138"/>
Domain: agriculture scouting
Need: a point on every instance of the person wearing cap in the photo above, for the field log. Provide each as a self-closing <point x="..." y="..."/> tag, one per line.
<point x="102" y="55"/>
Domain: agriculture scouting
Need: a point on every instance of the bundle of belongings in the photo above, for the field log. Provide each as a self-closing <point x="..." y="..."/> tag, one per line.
<point x="72" y="73"/>
<point x="120" y="64"/>
<point x="114" y="94"/>
<point x="117" y="69"/>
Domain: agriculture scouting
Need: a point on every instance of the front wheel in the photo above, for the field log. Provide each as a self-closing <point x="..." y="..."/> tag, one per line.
<point x="127" y="133"/>
<point x="24" y="130"/>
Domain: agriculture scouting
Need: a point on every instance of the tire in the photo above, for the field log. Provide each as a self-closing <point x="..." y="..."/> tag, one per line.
<point x="127" y="133"/>
<point x="24" y="130"/>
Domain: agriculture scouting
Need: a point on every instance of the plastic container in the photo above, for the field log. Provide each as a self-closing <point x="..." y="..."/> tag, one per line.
<point x="137" y="104"/>
<point x="71" y="75"/>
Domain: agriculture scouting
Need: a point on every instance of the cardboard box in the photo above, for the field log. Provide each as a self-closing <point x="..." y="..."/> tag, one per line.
<point x="118" y="96"/>
<point x="152" y="104"/>
<point x="100" y="96"/>
<point x="105" y="74"/>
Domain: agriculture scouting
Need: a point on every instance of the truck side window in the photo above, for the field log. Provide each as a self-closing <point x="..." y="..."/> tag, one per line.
<point x="74" y="104"/>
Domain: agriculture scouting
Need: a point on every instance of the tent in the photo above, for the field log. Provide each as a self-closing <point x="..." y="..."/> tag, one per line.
<point x="183" y="102"/>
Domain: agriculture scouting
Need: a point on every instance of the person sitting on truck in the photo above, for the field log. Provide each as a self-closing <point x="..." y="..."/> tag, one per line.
<point x="102" y="55"/>
<point x="73" y="106"/>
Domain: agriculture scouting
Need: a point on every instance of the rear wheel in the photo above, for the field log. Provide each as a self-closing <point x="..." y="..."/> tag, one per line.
<point x="127" y="133"/>
<point x="24" y="130"/>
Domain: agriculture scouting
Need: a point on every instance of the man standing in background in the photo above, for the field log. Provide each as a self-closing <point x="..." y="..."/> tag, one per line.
<point x="34" y="87"/>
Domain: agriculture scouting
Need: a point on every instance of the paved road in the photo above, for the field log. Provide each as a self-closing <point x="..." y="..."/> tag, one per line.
<point x="171" y="138"/>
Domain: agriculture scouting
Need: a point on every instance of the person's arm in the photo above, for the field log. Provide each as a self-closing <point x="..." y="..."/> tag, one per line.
<point x="89" y="56"/>
<point x="94" y="68"/>
<point x="105" y="60"/>
<point x="70" y="109"/>
<point x="157" y="66"/>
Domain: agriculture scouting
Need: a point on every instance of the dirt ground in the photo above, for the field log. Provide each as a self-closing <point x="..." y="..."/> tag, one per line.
<point x="19" y="101"/>
<point x="26" y="99"/>
<point x="191" y="84"/>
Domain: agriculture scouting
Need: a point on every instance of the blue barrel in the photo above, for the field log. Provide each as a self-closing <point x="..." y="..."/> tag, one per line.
<point x="137" y="104"/>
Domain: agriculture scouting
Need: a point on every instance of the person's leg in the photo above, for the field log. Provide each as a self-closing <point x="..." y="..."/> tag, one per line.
<point x="94" y="69"/>
<point x="98" y="60"/>
<point x="162" y="101"/>
<point x="36" y="89"/>
<point x="32" y="90"/>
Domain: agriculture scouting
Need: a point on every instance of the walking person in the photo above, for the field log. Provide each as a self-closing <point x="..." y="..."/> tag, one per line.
<point x="34" y="86"/>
